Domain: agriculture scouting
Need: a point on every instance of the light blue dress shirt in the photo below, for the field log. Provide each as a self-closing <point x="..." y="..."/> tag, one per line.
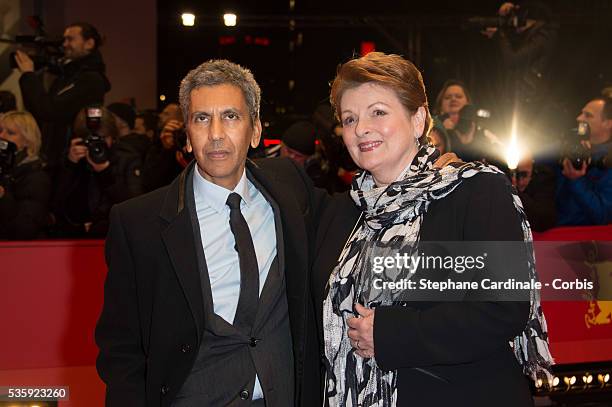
<point x="218" y="241"/>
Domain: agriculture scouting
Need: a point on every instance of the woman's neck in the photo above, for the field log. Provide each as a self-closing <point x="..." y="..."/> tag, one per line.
<point x="382" y="181"/>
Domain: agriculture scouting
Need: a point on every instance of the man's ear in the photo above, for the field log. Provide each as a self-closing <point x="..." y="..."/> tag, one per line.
<point x="418" y="121"/>
<point x="90" y="44"/>
<point x="256" y="137"/>
<point x="188" y="144"/>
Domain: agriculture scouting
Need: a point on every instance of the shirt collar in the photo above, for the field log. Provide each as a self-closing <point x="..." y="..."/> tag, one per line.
<point x="215" y="196"/>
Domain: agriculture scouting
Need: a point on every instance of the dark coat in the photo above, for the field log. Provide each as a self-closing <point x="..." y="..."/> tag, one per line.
<point x="83" y="195"/>
<point x="463" y="346"/>
<point x="24" y="209"/>
<point x="160" y="167"/>
<point x="82" y="82"/>
<point x="152" y="322"/>
<point x="539" y="199"/>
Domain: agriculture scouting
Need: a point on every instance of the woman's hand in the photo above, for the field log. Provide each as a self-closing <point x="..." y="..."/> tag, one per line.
<point x="361" y="331"/>
<point x="446" y="159"/>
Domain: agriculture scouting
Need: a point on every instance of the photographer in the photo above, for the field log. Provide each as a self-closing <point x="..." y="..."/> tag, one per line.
<point x="25" y="188"/>
<point x="584" y="190"/>
<point x="166" y="157"/>
<point x="525" y="37"/>
<point x="468" y="139"/>
<point x="535" y="184"/>
<point x="81" y="82"/>
<point x="99" y="171"/>
<point x="125" y="118"/>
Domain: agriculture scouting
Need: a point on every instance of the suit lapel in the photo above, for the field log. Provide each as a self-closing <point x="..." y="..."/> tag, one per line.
<point x="179" y="240"/>
<point x="295" y="241"/>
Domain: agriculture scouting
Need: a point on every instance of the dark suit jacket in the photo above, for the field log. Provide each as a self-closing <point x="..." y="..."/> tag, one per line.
<point x="463" y="347"/>
<point x="150" y="329"/>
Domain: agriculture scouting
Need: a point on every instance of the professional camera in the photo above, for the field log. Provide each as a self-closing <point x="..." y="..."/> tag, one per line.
<point x="44" y="52"/>
<point x="573" y="149"/>
<point x="468" y="115"/>
<point x="95" y="143"/>
<point x="180" y="138"/>
<point x="8" y="150"/>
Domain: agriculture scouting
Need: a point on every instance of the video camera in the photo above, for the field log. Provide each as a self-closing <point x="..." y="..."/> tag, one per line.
<point x="516" y="18"/>
<point x="44" y="52"/>
<point x="95" y="143"/>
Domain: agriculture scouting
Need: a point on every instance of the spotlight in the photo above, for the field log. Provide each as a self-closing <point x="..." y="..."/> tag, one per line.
<point x="539" y="383"/>
<point x="555" y="381"/>
<point x="569" y="381"/>
<point x="188" y="19"/>
<point x="603" y="378"/>
<point x="162" y="97"/>
<point x="587" y="378"/>
<point x="229" y="19"/>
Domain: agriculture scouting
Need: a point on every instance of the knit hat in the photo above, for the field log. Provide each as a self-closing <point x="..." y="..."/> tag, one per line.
<point x="124" y="111"/>
<point x="300" y="136"/>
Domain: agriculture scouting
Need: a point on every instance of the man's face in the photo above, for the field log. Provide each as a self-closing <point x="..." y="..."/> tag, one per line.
<point x="220" y="131"/>
<point x="524" y="173"/>
<point x="592" y="113"/>
<point x="75" y="46"/>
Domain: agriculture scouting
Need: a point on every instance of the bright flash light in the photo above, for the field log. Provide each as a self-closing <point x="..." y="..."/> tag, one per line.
<point x="229" y="19"/>
<point x="162" y="97"/>
<point x="587" y="379"/>
<point x="188" y="19"/>
<point x="555" y="381"/>
<point x="513" y="154"/>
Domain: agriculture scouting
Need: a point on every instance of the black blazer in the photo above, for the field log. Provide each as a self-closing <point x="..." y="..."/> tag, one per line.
<point x="463" y="347"/>
<point x="150" y="329"/>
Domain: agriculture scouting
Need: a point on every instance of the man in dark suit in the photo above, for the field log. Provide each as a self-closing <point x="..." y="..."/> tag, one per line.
<point x="207" y="299"/>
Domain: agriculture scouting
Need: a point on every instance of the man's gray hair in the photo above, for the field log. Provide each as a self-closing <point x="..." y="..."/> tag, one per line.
<point x="220" y="72"/>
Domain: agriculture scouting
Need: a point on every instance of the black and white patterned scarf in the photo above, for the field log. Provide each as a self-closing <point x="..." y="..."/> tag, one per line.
<point x="390" y="213"/>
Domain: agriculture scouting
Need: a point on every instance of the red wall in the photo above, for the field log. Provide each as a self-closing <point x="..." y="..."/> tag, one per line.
<point x="51" y="297"/>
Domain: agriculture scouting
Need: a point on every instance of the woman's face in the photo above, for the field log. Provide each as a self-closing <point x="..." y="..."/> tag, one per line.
<point x="453" y="100"/>
<point x="9" y="131"/>
<point x="378" y="131"/>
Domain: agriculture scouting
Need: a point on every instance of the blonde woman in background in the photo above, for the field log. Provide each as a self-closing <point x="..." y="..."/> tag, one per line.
<point x="24" y="185"/>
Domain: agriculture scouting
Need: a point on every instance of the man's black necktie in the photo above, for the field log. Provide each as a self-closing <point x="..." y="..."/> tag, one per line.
<point x="249" y="272"/>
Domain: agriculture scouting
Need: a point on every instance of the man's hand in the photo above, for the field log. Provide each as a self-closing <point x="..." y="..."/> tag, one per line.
<point x="77" y="150"/>
<point x="167" y="134"/>
<point x="446" y="159"/>
<point x="361" y="331"/>
<point x="570" y="172"/>
<point x="24" y="62"/>
<point x="506" y="8"/>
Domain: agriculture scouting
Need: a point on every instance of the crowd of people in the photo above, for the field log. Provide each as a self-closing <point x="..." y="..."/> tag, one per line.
<point x="67" y="159"/>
